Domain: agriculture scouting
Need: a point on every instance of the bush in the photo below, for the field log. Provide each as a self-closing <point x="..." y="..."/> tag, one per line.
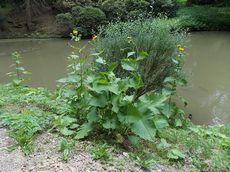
<point x="114" y="9"/>
<point x="88" y="15"/>
<point x="157" y="37"/>
<point x="137" y="9"/>
<point x="165" y="7"/>
<point x="205" y="18"/>
<point x="207" y="2"/>
<point x="75" y="11"/>
<point x="66" y="21"/>
<point x="108" y="103"/>
<point x="89" y="20"/>
<point x="86" y="19"/>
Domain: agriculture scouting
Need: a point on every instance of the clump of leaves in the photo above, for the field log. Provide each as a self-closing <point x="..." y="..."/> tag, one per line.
<point x="100" y="152"/>
<point x="65" y="147"/>
<point x="205" y="146"/>
<point x="145" y="160"/>
<point x="24" y="126"/>
<point x="65" y="125"/>
<point x="19" y="74"/>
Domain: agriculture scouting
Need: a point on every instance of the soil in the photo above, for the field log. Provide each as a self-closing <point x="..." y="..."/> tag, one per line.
<point x="43" y="25"/>
<point x="46" y="158"/>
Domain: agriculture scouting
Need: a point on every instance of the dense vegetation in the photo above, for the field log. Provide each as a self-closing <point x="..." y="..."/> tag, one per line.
<point x="87" y="15"/>
<point x="122" y="93"/>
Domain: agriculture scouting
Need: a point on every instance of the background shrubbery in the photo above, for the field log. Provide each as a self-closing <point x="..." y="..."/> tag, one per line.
<point x="88" y="15"/>
<point x="205" y="18"/>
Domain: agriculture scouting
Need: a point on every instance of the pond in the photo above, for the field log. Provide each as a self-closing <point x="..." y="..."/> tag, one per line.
<point x="207" y="68"/>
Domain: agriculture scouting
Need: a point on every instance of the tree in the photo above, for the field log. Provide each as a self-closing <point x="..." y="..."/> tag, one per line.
<point x="28" y="14"/>
<point x="34" y="8"/>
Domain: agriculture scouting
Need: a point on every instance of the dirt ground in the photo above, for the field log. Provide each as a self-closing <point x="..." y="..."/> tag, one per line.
<point x="46" y="158"/>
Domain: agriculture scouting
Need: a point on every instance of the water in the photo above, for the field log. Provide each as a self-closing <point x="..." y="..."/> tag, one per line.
<point x="207" y="68"/>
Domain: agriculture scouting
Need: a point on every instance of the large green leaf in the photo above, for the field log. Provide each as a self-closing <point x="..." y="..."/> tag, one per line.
<point x="144" y="129"/>
<point x="66" y="132"/>
<point x="98" y="101"/>
<point x="130" y="114"/>
<point x="168" y="110"/>
<point x="84" y="131"/>
<point x="129" y="64"/>
<point x="92" y="116"/>
<point x="161" y="123"/>
<point x="152" y="101"/>
<point x="110" y="123"/>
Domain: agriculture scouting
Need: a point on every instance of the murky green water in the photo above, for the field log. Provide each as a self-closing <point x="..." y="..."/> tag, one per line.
<point x="207" y="67"/>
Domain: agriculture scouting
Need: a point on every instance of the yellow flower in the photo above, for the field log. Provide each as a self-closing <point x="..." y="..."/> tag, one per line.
<point x="181" y="49"/>
<point x="75" y="32"/>
<point x="94" y="38"/>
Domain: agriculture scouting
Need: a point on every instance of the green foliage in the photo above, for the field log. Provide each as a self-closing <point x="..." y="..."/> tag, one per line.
<point x="66" y="21"/>
<point x="66" y="147"/>
<point x="65" y="125"/>
<point x="24" y="126"/>
<point x="89" y="15"/>
<point x="144" y="159"/>
<point x="165" y="7"/>
<point x="209" y="2"/>
<point x="107" y="102"/>
<point x="202" y="144"/>
<point x="115" y="10"/>
<point x="158" y="37"/>
<point x="100" y="152"/>
<point x="205" y="18"/>
<point x="19" y="73"/>
<point x="86" y="19"/>
<point x="89" y="19"/>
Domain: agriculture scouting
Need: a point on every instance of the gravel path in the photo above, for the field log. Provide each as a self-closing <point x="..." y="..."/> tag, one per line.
<point x="47" y="159"/>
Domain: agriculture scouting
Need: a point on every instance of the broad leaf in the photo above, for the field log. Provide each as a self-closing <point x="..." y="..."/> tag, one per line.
<point x="92" y="116"/>
<point x="66" y="132"/>
<point x="99" y="101"/>
<point x="110" y="123"/>
<point x="144" y="129"/>
<point x="129" y="65"/>
<point x="161" y="123"/>
<point x="84" y="131"/>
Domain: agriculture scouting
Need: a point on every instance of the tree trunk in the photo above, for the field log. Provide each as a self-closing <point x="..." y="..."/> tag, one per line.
<point x="28" y="15"/>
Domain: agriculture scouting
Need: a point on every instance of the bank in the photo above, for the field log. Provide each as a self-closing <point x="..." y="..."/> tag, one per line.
<point x="32" y="113"/>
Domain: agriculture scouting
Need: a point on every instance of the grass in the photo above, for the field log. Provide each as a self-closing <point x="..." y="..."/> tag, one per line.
<point x="28" y="111"/>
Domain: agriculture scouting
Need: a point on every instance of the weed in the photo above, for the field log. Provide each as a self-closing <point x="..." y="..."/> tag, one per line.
<point x="66" y="147"/>
<point x="24" y="126"/>
<point x="19" y="73"/>
<point x="100" y="152"/>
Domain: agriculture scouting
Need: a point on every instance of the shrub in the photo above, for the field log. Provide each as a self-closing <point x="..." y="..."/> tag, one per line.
<point x="205" y="18"/>
<point x="75" y="11"/>
<point x="109" y="103"/>
<point x="207" y="2"/>
<point x="165" y="7"/>
<point x="66" y="21"/>
<point x="89" y="20"/>
<point x="114" y="9"/>
<point x="157" y="37"/>
<point x="137" y="9"/>
<point x="63" y="5"/>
